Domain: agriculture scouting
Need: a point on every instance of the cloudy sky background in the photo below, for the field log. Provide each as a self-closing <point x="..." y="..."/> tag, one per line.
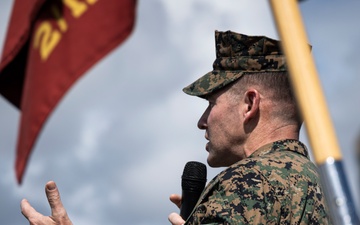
<point x="117" y="143"/>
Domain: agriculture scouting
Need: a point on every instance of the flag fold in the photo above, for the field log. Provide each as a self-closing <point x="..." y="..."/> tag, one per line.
<point x="49" y="45"/>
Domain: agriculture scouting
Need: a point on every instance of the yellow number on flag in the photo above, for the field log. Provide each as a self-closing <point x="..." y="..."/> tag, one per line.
<point x="77" y="7"/>
<point x="46" y="38"/>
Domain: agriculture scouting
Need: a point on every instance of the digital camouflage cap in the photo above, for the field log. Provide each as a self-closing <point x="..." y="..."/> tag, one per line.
<point x="238" y="54"/>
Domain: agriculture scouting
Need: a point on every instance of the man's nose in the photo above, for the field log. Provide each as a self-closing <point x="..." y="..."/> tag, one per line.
<point x="202" y="123"/>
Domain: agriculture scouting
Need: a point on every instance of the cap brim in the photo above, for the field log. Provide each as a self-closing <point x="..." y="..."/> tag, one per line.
<point x="212" y="81"/>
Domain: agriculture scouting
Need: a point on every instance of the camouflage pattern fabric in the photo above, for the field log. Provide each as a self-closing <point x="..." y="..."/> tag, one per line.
<point x="238" y="54"/>
<point x="277" y="184"/>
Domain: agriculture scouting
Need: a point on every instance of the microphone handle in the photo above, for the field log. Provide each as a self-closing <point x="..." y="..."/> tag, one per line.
<point x="188" y="202"/>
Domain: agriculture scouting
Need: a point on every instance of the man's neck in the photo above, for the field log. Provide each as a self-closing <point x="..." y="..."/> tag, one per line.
<point x="269" y="135"/>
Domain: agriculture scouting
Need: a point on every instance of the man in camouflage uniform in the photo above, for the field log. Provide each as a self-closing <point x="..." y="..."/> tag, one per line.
<point x="252" y="125"/>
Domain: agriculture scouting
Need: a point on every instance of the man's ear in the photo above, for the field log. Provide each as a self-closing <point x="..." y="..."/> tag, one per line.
<point x="252" y="102"/>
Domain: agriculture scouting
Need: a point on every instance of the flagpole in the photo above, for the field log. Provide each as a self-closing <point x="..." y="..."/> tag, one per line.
<point x="313" y="107"/>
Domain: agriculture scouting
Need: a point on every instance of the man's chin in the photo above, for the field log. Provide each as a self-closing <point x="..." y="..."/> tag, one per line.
<point x="213" y="164"/>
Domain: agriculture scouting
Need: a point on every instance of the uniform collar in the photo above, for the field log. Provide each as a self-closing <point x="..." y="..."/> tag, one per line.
<point x="287" y="144"/>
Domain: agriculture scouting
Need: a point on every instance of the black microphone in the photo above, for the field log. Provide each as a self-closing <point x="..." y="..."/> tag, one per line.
<point x="193" y="182"/>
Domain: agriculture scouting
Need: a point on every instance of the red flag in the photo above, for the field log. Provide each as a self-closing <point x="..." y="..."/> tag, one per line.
<point x="49" y="45"/>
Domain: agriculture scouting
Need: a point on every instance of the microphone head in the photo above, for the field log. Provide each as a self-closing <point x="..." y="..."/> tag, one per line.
<point x="194" y="176"/>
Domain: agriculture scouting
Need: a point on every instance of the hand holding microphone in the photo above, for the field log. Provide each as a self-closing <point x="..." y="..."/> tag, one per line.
<point x="193" y="182"/>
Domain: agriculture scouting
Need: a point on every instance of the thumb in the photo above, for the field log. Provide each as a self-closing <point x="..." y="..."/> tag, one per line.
<point x="53" y="196"/>
<point x="28" y="211"/>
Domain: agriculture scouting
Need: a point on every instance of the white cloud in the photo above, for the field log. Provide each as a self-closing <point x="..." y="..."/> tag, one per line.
<point x="94" y="125"/>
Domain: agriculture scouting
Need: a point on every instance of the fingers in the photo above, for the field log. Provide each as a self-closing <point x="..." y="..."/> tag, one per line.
<point x="58" y="211"/>
<point x="175" y="219"/>
<point x="53" y="196"/>
<point x="176" y="199"/>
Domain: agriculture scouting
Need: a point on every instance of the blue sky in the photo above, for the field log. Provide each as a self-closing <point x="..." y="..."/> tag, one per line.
<point x="118" y="141"/>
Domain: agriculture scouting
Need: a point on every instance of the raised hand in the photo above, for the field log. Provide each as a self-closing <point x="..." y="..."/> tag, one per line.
<point x="58" y="212"/>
